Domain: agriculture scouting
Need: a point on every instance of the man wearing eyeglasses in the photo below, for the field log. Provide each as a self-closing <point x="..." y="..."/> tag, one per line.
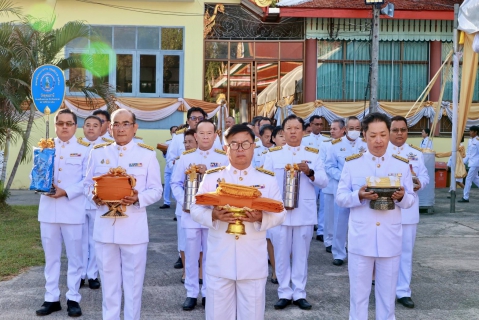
<point x="205" y="157"/>
<point x="62" y="215"/>
<point x="176" y="147"/>
<point x="292" y="239"/>
<point x="237" y="265"/>
<point x="91" y="130"/>
<point x="121" y="244"/>
<point x="410" y="216"/>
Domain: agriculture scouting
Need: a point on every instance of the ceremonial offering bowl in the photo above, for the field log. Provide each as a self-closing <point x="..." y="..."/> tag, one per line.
<point x="384" y="200"/>
<point x="237" y="228"/>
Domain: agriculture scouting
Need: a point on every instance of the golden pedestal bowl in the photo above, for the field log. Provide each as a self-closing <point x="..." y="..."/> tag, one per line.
<point x="238" y="227"/>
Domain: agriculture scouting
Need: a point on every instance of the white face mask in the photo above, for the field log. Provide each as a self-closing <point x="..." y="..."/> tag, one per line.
<point x="353" y="135"/>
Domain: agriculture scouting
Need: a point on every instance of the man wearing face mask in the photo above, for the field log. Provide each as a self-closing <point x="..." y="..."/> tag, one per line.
<point x="205" y="157"/>
<point x="340" y="149"/>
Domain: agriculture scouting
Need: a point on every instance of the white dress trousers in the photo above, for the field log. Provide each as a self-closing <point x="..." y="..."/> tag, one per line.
<point x="90" y="267"/>
<point x="403" y="288"/>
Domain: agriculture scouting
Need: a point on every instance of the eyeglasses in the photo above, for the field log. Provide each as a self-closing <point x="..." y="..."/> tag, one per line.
<point x="102" y="121"/>
<point x="194" y="118"/>
<point x="68" y="124"/>
<point x="397" y="130"/>
<point x="235" y="145"/>
<point x="124" y="125"/>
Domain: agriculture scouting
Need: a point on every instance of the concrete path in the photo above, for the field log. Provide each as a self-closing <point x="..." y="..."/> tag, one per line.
<point x="445" y="274"/>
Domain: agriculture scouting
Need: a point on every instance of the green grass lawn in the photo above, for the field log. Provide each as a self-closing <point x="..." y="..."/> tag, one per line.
<point x="20" y="243"/>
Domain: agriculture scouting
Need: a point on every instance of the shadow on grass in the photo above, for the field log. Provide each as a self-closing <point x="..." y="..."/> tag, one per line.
<point x="21" y="246"/>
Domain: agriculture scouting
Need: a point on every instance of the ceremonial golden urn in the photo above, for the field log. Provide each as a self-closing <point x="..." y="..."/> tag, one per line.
<point x="384" y="188"/>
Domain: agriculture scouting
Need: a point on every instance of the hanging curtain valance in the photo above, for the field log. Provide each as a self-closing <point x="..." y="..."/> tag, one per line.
<point x="331" y="111"/>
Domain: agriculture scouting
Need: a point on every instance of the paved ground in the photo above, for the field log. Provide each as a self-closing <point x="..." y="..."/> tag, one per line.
<point x="445" y="274"/>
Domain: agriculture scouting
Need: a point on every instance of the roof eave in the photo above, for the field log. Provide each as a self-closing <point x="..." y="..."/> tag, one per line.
<point x="286" y="12"/>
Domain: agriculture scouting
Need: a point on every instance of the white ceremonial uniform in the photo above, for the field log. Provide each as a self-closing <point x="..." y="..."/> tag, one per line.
<point x="466" y="161"/>
<point x="167" y="188"/>
<point x="63" y="218"/>
<point x="426" y="143"/>
<point x="121" y="244"/>
<point x="315" y="141"/>
<point x="258" y="158"/>
<point x="90" y="267"/>
<point x="176" y="147"/>
<point x="328" y="197"/>
<point x="409" y="218"/>
<point x="340" y="149"/>
<point x="196" y="234"/>
<point x="473" y="161"/>
<point x="237" y="266"/>
<point x="294" y="235"/>
<point x="374" y="236"/>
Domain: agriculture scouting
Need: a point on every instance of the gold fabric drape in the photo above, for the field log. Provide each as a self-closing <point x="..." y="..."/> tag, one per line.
<point x="148" y="104"/>
<point x="468" y="79"/>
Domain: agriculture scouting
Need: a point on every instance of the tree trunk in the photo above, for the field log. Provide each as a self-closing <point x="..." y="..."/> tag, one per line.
<point x="3" y="169"/>
<point x="23" y="148"/>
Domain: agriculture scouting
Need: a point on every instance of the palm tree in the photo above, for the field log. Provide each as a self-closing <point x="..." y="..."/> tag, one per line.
<point x="24" y="46"/>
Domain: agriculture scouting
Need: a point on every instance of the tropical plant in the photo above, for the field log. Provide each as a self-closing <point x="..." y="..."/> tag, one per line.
<point x="26" y="45"/>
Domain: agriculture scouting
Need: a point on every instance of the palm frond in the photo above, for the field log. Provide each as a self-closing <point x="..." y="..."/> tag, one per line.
<point x="7" y="9"/>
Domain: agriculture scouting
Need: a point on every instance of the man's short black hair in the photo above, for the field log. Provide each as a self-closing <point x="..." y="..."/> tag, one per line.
<point x="92" y="117"/>
<point x="245" y="123"/>
<point x="292" y="117"/>
<point x="427" y="130"/>
<point x="238" y="128"/>
<point x="264" y="128"/>
<point x="312" y="118"/>
<point x="206" y="120"/>
<point x="256" y="120"/>
<point x="103" y="112"/>
<point x="66" y="111"/>
<point x="340" y="122"/>
<point x="375" y="117"/>
<point x="474" y="128"/>
<point x="267" y="119"/>
<point x="275" y="132"/>
<point x="189" y="132"/>
<point x="172" y="127"/>
<point x="306" y="126"/>
<point x="399" y="118"/>
<point x="196" y="109"/>
<point x="351" y="118"/>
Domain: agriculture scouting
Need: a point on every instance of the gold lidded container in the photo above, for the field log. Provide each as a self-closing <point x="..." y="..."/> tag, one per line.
<point x="291" y="181"/>
<point x="192" y="182"/>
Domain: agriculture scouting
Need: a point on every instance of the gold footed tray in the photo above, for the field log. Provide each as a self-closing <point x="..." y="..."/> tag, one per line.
<point x="236" y="228"/>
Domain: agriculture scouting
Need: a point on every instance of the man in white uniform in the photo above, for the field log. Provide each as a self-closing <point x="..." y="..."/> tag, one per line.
<point x="91" y="130"/>
<point x="237" y="266"/>
<point x="314" y="140"/>
<point x="473" y="163"/>
<point x="105" y="125"/>
<point x="337" y="132"/>
<point x="176" y="147"/>
<point x="62" y="215"/>
<point x="426" y="142"/>
<point x="168" y="172"/>
<point x="260" y="150"/>
<point x="340" y="149"/>
<point x="205" y="158"/>
<point x="293" y="237"/>
<point x="374" y="236"/>
<point x="121" y="244"/>
<point x="409" y="217"/>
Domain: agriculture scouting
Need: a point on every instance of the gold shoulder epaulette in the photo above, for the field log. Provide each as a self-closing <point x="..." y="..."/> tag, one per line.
<point x="215" y="170"/>
<point x="256" y="140"/>
<point x="477" y="138"/>
<point x="177" y="158"/>
<point x="354" y="156"/>
<point x="189" y="151"/>
<point x="102" y="145"/>
<point x="400" y="158"/>
<point x="146" y="146"/>
<point x="257" y="146"/>
<point x="220" y="151"/>
<point x="107" y="140"/>
<point x="328" y="140"/>
<point x="168" y="140"/>
<point x="139" y="137"/>
<point x="307" y="135"/>
<point x="336" y="141"/>
<point x="265" y="151"/>
<point x="180" y="131"/>
<point x="363" y="140"/>
<point x="271" y="173"/>
<point x="413" y="146"/>
<point x="83" y="143"/>
<point x="326" y="135"/>
<point x="313" y="150"/>
<point x="275" y="148"/>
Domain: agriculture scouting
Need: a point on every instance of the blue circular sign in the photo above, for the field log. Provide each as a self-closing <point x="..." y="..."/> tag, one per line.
<point x="48" y="88"/>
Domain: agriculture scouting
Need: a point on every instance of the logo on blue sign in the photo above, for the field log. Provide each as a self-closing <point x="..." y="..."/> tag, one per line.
<point x="48" y="88"/>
